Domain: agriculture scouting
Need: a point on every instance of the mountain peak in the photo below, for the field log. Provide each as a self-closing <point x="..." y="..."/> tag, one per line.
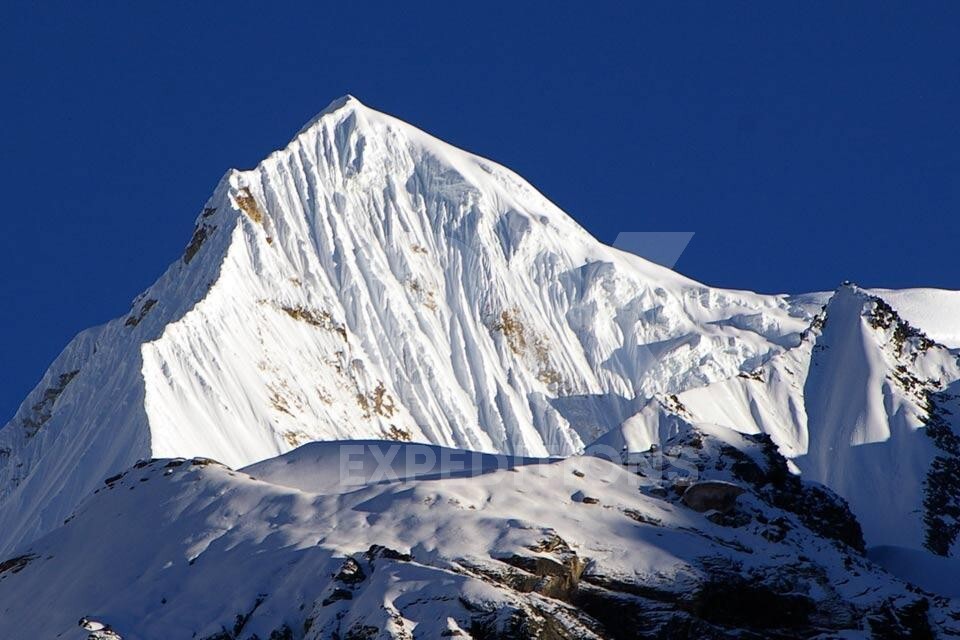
<point x="343" y="103"/>
<point x="346" y="98"/>
<point x="847" y="291"/>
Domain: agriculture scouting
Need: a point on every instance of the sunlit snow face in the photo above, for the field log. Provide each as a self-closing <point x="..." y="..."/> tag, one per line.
<point x="365" y="463"/>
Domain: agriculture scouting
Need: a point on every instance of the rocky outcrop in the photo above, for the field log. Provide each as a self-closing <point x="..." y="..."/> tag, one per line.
<point x="712" y="495"/>
<point x="941" y="501"/>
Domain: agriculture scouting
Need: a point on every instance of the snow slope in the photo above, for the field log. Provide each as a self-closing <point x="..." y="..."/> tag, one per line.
<point x="922" y="568"/>
<point x="579" y="548"/>
<point x="851" y="406"/>
<point x="370" y="281"/>
<point x="332" y="467"/>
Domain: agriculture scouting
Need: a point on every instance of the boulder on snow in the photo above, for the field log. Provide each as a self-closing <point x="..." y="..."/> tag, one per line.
<point x="98" y="630"/>
<point x="711" y="495"/>
<point x="580" y="496"/>
<point x="350" y="572"/>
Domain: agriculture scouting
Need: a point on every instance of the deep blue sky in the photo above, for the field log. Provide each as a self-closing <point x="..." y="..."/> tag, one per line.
<point x="803" y="143"/>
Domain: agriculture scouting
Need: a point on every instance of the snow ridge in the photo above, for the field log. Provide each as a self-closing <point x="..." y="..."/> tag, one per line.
<point x="850" y="406"/>
<point x="575" y="548"/>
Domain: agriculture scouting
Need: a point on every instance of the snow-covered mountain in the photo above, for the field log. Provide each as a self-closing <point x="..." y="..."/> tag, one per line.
<point x="371" y="287"/>
<point x="866" y="404"/>
<point x="370" y="281"/>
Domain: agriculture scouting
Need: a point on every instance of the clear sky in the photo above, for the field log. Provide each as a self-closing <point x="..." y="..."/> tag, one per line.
<point x="804" y="143"/>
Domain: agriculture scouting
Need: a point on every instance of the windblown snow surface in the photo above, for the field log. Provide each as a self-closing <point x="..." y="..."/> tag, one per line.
<point x="372" y="287"/>
<point x="462" y="546"/>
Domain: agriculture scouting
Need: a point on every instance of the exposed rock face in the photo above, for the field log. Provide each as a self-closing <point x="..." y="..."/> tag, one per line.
<point x="821" y="510"/>
<point x="726" y="463"/>
<point x="941" y="490"/>
<point x="712" y="495"/>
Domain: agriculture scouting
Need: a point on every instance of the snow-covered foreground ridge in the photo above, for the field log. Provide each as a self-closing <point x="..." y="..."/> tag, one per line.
<point x="371" y="281"/>
<point x="568" y="549"/>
